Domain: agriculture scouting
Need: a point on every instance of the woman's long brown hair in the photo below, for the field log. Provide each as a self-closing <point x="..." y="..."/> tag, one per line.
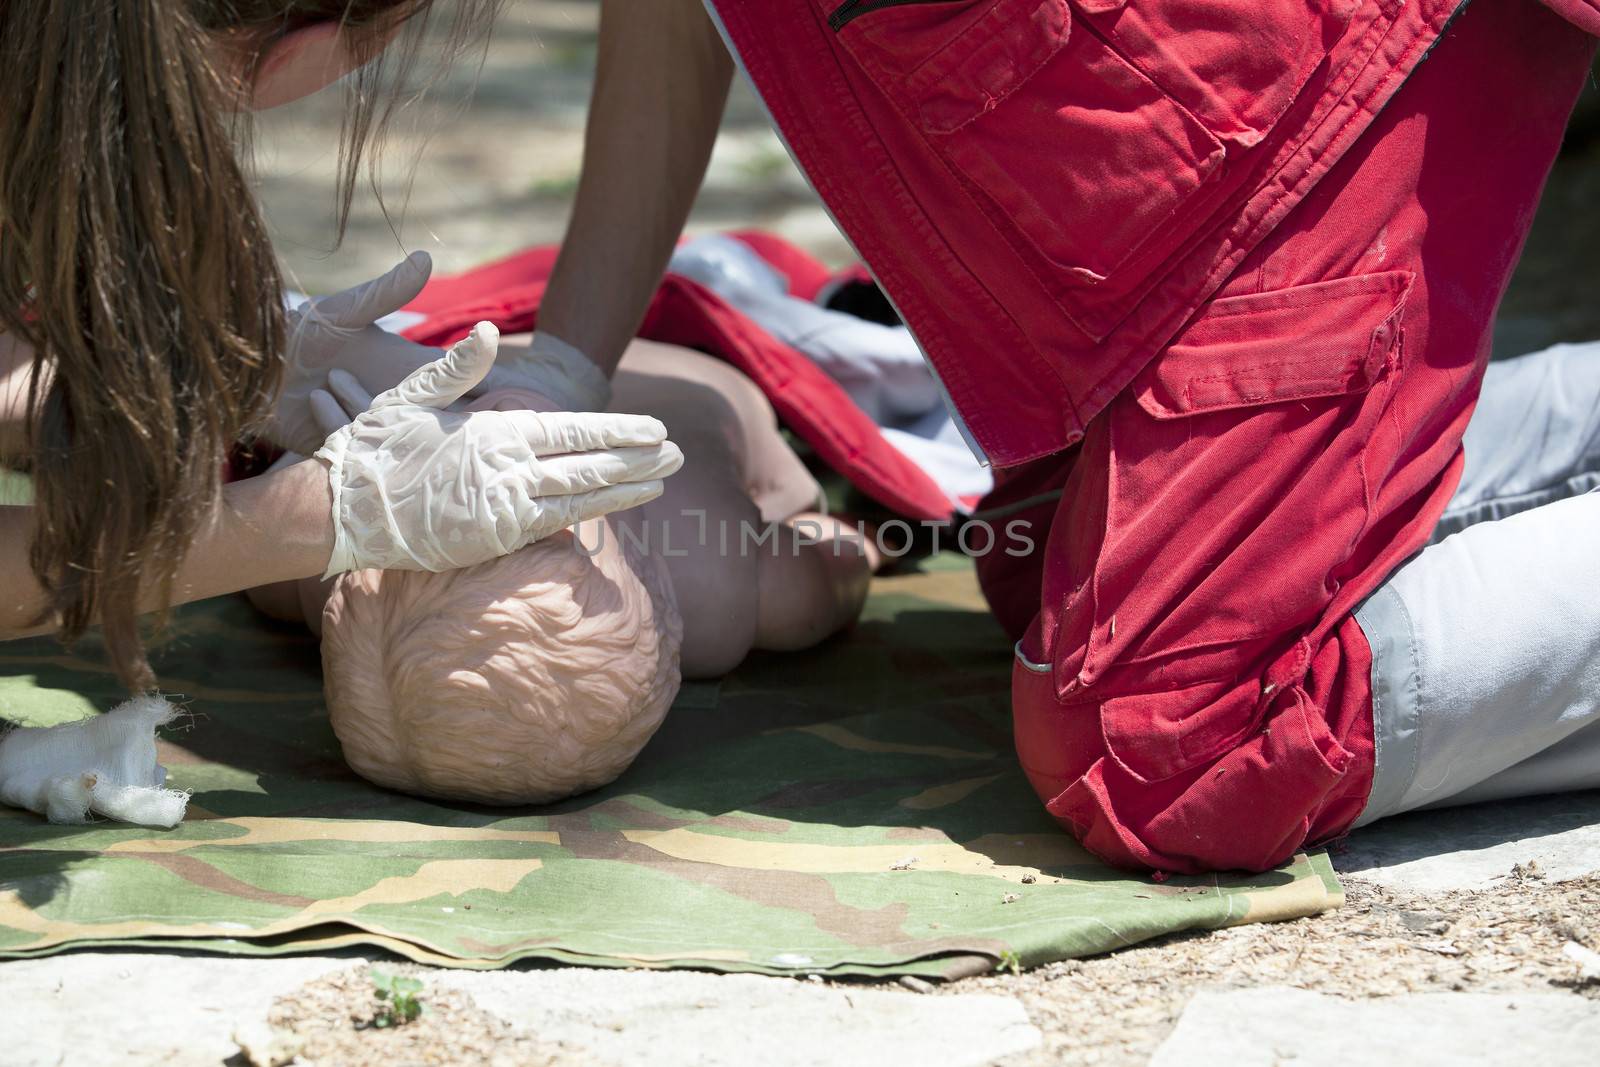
<point x="134" y="261"/>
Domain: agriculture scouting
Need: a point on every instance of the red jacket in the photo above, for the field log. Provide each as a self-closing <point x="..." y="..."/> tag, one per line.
<point x="1049" y="189"/>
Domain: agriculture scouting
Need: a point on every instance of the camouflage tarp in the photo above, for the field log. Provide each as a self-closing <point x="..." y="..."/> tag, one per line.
<point x="851" y="810"/>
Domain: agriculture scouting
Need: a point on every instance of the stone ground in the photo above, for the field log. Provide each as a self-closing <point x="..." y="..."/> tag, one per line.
<point x="1468" y="936"/>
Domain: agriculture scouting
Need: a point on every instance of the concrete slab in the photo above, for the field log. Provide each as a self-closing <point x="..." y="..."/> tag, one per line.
<point x="99" y="1009"/>
<point x="669" y="1019"/>
<point x="93" y="1009"/>
<point x="1275" y="1025"/>
<point x="1476" y="846"/>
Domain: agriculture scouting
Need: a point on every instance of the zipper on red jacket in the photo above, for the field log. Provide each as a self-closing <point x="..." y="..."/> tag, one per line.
<point x="854" y="9"/>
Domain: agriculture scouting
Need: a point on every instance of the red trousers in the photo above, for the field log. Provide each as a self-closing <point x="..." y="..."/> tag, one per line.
<point x="1191" y="689"/>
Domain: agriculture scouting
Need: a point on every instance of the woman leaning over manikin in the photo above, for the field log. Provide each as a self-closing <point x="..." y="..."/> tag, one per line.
<point x="143" y="330"/>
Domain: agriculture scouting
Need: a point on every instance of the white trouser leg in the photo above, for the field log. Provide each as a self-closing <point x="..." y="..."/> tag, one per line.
<point x="1534" y="438"/>
<point x="1486" y="645"/>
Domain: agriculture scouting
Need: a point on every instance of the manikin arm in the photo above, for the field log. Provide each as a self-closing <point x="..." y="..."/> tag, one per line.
<point x="660" y="88"/>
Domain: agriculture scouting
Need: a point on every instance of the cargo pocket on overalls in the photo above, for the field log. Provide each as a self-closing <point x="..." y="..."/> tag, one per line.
<point x="1235" y="67"/>
<point x="1079" y="159"/>
<point x="1236" y="473"/>
<point x="1237" y="477"/>
<point x="1159" y="735"/>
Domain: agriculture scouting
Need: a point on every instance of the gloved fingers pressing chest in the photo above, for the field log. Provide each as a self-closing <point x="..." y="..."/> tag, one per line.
<point x="553" y="368"/>
<point x="545" y="433"/>
<point x="417" y="486"/>
<point x="338" y="333"/>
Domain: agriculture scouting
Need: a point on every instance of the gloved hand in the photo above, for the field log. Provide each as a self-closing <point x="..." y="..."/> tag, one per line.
<point x="338" y="331"/>
<point x="552" y="368"/>
<point x="419" y="487"/>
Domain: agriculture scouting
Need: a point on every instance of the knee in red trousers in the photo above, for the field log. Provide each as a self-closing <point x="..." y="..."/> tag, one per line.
<point x="1166" y="701"/>
<point x="1194" y="692"/>
<point x="1288" y="781"/>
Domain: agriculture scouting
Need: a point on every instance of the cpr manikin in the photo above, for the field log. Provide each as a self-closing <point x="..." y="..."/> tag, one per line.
<point x="544" y="673"/>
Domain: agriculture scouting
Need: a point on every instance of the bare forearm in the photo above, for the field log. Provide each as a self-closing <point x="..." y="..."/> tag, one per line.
<point x="660" y="89"/>
<point x="273" y="528"/>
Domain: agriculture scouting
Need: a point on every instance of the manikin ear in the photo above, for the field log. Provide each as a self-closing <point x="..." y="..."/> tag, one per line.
<point x="304" y="61"/>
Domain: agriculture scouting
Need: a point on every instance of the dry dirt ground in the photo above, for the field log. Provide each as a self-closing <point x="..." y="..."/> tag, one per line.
<point x="337" y="1020"/>
<point x="1117" y="1009"/>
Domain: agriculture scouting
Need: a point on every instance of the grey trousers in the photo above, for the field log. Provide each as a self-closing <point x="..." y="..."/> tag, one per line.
<point x="1486" y="644"/>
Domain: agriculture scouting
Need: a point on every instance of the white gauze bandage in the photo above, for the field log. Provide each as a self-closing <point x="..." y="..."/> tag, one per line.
<point x="103" y="765"/>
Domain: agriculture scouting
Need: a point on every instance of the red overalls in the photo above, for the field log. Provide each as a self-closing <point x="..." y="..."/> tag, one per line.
<point x="1211" y="283"/>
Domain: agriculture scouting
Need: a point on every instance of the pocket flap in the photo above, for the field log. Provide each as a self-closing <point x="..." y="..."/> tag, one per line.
<point x="945" y="62"/>
<point x="1330" y="338"/>
<point x="1154" y="736"/>
<point x="993" y="56"/>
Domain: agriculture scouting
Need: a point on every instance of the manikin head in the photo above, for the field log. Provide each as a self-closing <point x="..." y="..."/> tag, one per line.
<point x="526" y="679"/>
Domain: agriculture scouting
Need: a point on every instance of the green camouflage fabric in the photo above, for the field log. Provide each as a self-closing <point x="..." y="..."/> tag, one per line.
<point x="15" y="488"/>
<point x="855" y="809"/>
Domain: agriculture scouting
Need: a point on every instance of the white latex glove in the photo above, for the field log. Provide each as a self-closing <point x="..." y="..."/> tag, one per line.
<point x="104" y="765"/>
<point x="338" y="331"/>
<point x="553" y="368"/>
<point x="419" y="487"/>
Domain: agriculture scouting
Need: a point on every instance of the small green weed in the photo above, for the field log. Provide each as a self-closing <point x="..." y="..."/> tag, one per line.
<point x="401" y="997"/>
